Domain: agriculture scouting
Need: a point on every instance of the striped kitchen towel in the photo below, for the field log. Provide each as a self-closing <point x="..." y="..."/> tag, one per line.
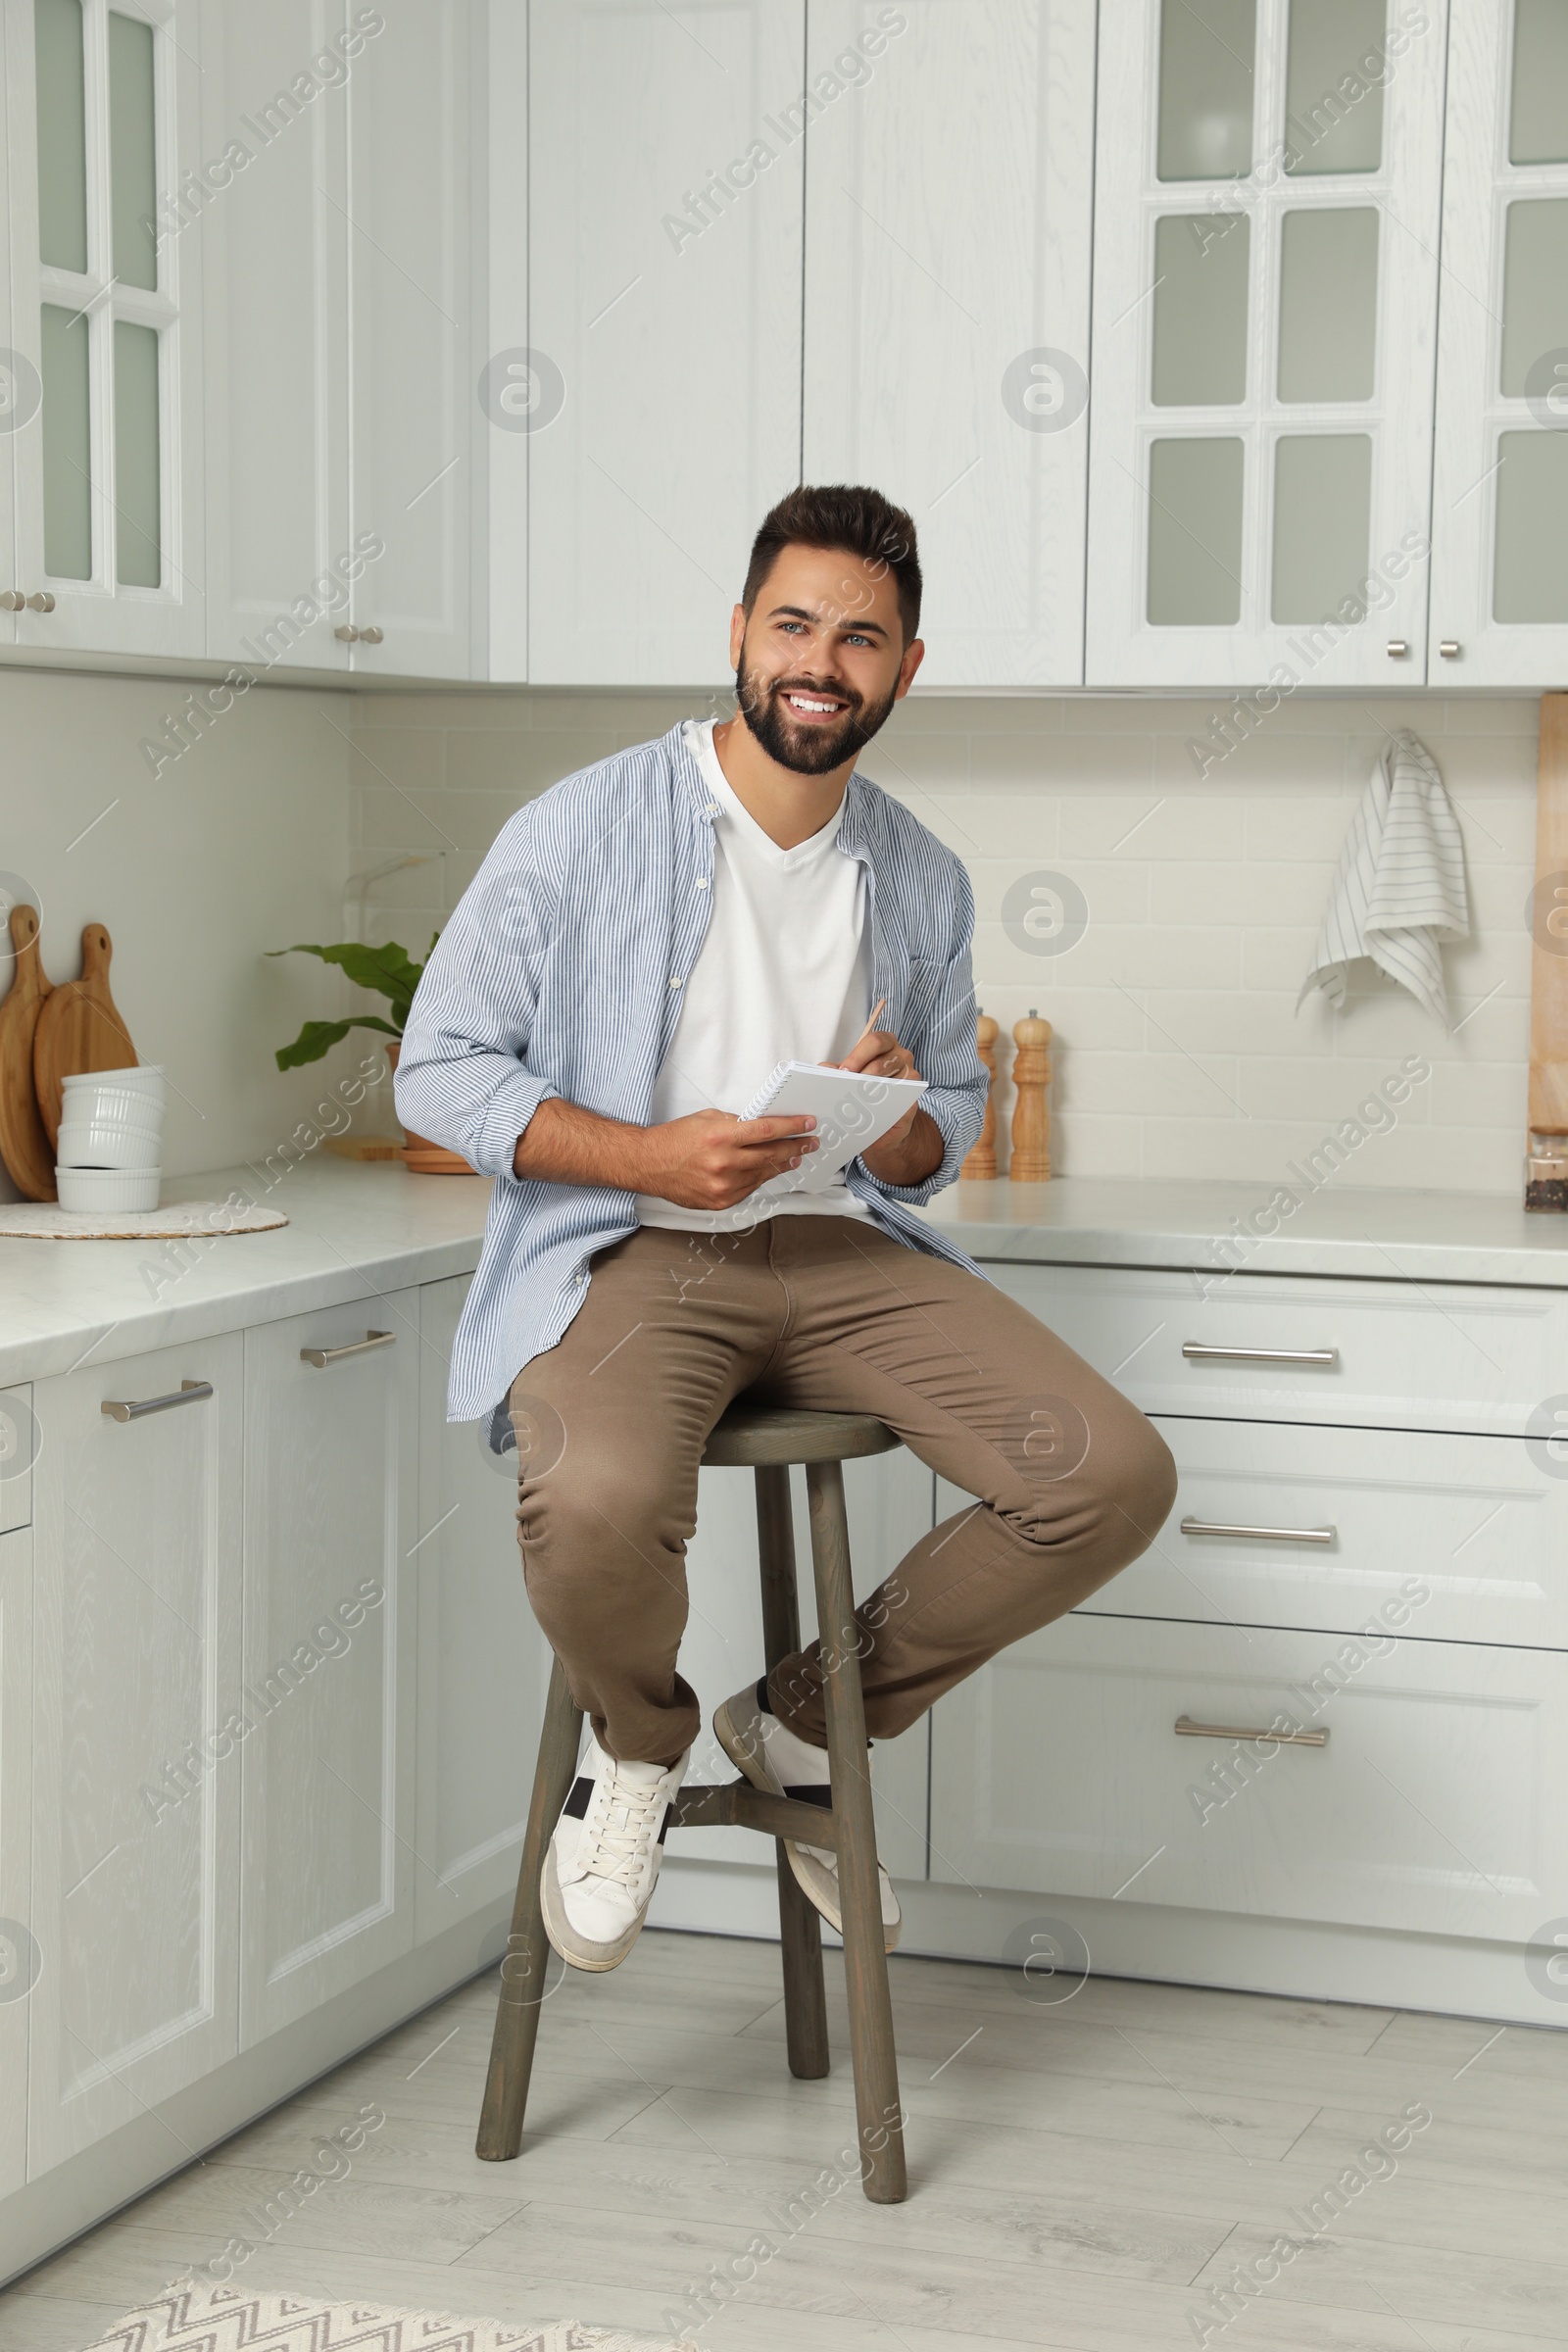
<point x="1400" y="888"/>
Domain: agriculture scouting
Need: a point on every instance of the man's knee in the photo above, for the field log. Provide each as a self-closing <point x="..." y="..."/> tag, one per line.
<point x="602" y="1512"/>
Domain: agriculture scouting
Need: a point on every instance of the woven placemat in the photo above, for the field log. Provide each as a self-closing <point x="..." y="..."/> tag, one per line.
<point x="46" y="1222"/>
<point x="225" y="2318"/>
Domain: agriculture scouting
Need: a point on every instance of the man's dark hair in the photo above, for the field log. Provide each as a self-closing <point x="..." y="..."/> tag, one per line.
<point x="841" y="514"/>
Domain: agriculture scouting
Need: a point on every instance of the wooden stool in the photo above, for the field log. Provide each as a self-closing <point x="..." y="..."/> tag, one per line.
<point x="767" y="1439"/>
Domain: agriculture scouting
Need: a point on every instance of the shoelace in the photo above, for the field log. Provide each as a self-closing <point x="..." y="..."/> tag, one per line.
<point x="624" y="1820"/>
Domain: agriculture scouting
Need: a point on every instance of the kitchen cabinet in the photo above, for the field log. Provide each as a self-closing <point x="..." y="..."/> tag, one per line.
<point x="327" y="1878"/>
<point x="103" y="118"/>
<point x="274" y="248"/>
<point x="15" y="398"/>
<point x="1499" y="495"/>
<point x="1435" y="1805"/>
<point x="948" y="199"/>
<point x="135" y="1789"/>
<point x="660" y="391"/>
<point x="1265" y="312"/>
<point x="340" y="318"/>
<point x="483" y="1664"/>
<point x="18" y="1948"/>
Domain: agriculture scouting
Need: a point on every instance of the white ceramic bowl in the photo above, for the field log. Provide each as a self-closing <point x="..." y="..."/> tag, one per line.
<point x="99" y="1143"/>
<point x="148" y="1083"/>
<point x="91" y="1191"/>
<point x="116" y="1108"/>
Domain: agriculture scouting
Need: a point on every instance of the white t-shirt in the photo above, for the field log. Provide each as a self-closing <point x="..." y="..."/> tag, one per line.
<point x="784" y="974"/>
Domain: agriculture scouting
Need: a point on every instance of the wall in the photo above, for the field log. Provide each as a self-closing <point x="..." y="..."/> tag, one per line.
<point x="1178" y="1049"/>
<point x="240" y="844"/>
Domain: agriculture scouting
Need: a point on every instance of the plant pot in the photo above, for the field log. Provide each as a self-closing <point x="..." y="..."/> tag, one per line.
<point x="421" y="1156"/>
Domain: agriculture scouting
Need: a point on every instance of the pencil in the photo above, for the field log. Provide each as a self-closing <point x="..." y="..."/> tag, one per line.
<point x="869" y="1018"/>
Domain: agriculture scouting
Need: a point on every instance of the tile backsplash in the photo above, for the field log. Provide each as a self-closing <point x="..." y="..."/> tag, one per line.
<point x="1202" y="858"/>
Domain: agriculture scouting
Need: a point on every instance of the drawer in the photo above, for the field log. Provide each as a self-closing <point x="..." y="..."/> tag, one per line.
<point x="1397" y="1354"/>
<point x="17" y="1448"/>
<point x="1438" y="1803"/>
<point x="1452" y="1540"/>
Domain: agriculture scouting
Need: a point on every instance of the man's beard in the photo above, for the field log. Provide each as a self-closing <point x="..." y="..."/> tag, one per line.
<point x="808" y="750"/>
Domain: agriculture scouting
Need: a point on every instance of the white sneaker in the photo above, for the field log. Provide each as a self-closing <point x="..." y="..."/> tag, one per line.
<point x="602" y="1864"/>
<point x="779" y="1760"/>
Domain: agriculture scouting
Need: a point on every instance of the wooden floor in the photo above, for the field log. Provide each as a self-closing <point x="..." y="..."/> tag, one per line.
<point x="1082" y="2175"/>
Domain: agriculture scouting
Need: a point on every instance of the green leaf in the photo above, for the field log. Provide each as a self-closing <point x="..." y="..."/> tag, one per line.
<point x="390" y="969"/>
<point x="318" y="1037"/>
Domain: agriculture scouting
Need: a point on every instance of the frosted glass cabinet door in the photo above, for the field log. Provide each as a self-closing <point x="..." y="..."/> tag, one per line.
<point x="17" y="411"/>
<point x="1499" y="518"/>
<point x="661" y="392"/>
<point x="1266" y="206"/>
<point x="103" y="118"/>
<point x="949" y="183"/>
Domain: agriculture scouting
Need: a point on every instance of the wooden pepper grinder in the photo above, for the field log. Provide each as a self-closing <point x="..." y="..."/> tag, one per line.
<point x="982" y="1160"/>
<point x="1031" y="1121"/>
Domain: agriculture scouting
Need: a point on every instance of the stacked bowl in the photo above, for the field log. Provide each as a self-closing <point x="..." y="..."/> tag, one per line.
<point x="109" y="1151"/>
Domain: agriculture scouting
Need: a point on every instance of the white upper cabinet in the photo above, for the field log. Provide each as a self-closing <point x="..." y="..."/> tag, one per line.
<point x="1499" y="581"/>
<point x="103" y="118"/>
<point x="276" y="320"/>
<point x="1265" y="305"/>
<point x="413" y="409"/>
<point x="17" y="409"/>
<point x="949" y="190"/>
<point x="662" y="389"/>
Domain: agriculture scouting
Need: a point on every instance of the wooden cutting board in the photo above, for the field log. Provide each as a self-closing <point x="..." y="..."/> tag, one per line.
<point x="78" y="1029"/>
<point x="23" y="1146"/>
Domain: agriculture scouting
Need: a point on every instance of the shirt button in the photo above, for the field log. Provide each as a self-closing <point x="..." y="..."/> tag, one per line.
<point x="702" y="881"/>
<point x="674" y="979"/>
<point x="713" y="810"/>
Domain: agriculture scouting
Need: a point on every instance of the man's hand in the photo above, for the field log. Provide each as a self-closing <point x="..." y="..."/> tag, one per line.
<point x="913" y="1150"/>
<point x="709" y="1160"/>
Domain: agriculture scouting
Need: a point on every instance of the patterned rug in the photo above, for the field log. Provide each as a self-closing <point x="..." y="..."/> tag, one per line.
<point x="225" y="2319"/>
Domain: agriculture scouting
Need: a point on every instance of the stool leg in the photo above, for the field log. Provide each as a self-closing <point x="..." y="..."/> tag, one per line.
<point x="799" y="1924"/>
<point x="523" y="1971"/>
<point x="865" y="1965"/>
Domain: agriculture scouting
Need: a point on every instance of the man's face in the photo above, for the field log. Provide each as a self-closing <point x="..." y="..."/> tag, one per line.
<point x="821" y="661"/>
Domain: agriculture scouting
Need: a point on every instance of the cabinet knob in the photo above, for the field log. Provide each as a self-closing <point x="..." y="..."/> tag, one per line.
<point x="1398" y="646"/>
<point x="1450" y="648"/>
<point x="12" y="601"/>
<point x="346" y="633"/>
<point x="40" y="601"/>
<point x="369" y="636"/>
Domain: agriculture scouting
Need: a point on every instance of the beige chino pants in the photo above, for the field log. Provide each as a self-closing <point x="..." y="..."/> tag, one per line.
<point x="830" y="1314"/>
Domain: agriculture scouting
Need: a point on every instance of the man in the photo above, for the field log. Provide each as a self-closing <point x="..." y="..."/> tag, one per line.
<point x="642" y="945"/>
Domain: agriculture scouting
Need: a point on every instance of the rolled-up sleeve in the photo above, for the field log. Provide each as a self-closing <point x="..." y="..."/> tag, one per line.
<point x="463" y="1076"/>
<point x="947" y="1058"/>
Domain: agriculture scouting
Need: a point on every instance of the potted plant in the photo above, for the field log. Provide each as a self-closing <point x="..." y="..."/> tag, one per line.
<point x="392" y="972"/>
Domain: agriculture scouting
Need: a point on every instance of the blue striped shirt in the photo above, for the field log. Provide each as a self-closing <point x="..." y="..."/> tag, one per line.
<point x="560" y="974"/>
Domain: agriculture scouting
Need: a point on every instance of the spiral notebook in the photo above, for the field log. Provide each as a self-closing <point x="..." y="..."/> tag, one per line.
<point x="852" y="1110"/>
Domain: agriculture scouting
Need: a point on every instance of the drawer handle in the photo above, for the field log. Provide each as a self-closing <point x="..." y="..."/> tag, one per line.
<point x="321" y="1358"/>
<point x="1260" y="1534"/>
<point x="189" y="1392"/>
<point x="1197" y="1352"/>
<point x="1190" y="1730"/>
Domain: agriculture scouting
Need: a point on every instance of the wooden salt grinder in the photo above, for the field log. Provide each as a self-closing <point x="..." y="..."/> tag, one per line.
<point x="1031" y="1121"/>
<point x="982" y="1160"/>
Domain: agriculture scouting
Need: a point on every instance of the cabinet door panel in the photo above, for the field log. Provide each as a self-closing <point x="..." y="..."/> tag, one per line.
<point x="1435" y="1805"/>
<point x="483" y="1663"/>
<point x="1264" y="229"/>
<point x="665" y="326"/>
<point x="1499" y="490"/>
<point x="947" y="321"/>
<point x="19" y="1944"/>
<point x="18" y="413"/>
<point x="331" y="1466"/>
<point x="136" y="1792"/>
<point x="889" y="1504"/>
<point x="110" y="481"/>
<point x="409" y="206"/>
<point x="276" y="294"/>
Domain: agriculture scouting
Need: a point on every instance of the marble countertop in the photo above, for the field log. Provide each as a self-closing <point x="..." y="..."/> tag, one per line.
<point x="359" y="1228"/>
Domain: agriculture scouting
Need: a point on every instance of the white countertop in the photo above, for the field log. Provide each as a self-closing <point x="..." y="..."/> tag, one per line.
<point x="359" y="1228"/>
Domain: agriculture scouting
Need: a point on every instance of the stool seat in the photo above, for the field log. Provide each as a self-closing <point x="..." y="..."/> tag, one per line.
<point x="748" y="1435"/>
